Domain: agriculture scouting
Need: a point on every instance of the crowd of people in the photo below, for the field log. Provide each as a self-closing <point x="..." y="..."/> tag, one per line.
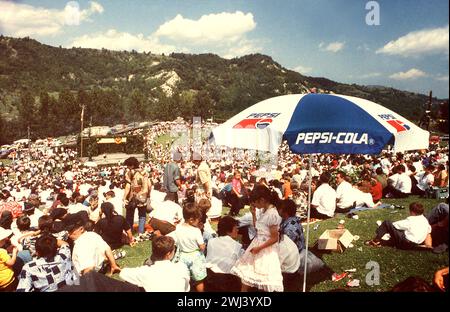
<point x="62" y="222"/>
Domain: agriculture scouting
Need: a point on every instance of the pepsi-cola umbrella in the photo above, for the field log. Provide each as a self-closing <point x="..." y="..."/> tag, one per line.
<point x="320" y="123"/>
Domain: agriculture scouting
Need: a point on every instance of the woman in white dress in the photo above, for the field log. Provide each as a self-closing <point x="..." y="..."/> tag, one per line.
<point x="259" y="266"/>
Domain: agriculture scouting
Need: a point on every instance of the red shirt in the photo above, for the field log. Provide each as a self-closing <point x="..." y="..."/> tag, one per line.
<point x="377" y="192"/>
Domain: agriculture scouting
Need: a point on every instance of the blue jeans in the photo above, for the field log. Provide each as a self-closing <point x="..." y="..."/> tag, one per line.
<point x="25" y="255"/>
<point x="142" y="213"/>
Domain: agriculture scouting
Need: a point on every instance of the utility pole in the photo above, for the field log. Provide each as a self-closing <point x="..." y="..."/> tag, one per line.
<point x="429" y="110"/>
<point x="90" y="149"/>
<point x="29" y="150"/>
<point x="81" y="131"/>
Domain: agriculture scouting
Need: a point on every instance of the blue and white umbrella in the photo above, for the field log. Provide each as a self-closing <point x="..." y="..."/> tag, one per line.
<point x="320" y="123"/>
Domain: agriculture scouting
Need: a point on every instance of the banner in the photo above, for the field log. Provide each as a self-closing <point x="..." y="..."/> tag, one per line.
<point x="117" y="140"/>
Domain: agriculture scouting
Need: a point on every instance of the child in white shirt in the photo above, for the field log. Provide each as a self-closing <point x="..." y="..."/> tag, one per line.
<point x="189" y="240"/>
<point x="407" y="233"/>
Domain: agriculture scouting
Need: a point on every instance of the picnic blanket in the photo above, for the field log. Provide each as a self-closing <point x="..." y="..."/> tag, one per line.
<point x="362" y="208"/>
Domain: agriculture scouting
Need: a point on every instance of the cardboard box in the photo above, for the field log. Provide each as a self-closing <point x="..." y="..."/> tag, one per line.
<point x="335" y="240"/>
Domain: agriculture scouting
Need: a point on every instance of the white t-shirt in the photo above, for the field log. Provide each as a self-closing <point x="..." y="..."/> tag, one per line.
<point x="222" y="254"/>
<point x="288" y="255"/>
<point x="404" y="183"/>
<point x="167" y="211"/>
<point x="325" y="199"/>
<point x="416" y="228"/>
<point x="162" y="276"/>
<point x="187" y="237"/>
<point x="77" y="208"/>
<point x="216" y="208"/>
<point x="424" y="181"/>
<point x="89" y="251"/>
<point x="344" y="195"/>
<point x="34" y="220"/>
<point x="157" y="197"/>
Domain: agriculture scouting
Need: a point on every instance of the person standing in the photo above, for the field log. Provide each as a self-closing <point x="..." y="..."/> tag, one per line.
<point x="202" y="178"/>
<point x="136" y="193"/>
<point x="260" y="265"/>
<point x="172" y="178"/>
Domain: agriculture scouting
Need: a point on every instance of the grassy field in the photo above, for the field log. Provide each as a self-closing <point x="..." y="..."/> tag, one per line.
<point x="395" y="265"/>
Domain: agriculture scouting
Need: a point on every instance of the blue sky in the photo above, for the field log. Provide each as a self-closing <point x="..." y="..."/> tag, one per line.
<point x="408" y="50"/>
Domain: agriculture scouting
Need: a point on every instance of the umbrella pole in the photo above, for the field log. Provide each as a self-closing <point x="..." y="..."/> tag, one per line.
<point x="307" y="222"/>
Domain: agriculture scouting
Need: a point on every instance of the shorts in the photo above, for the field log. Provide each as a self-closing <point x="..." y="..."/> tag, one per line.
<point x="196" y="264"/>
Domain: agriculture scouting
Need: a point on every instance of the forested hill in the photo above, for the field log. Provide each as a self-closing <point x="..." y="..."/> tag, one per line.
<point x="43" y="87"/>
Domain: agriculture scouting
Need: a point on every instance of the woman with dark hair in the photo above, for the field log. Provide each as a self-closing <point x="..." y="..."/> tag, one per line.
<point x="259" y="266"/>
<point x="6" y="219"/>
<point x="291" y="224"/>
<point x="111" y="227"/>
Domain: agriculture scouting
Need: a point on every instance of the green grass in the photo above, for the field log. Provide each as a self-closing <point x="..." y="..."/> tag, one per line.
<point x="395" y="265"/>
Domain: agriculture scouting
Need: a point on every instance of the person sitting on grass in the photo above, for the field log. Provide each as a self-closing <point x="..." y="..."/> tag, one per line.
<point x="438" y="219"/>
<point x="221" y="254"/>
<point x="407" y="233"/>
<point x="10" y="266"/>
<point x="90" y="251"/>
<point x="162" y="275"/>
<point x="51" y="270"/>
<point x="323" y="203"/>
<point x="166" y="215"/>
<point x="290" y="223"/>
<point x="112" y="227"/>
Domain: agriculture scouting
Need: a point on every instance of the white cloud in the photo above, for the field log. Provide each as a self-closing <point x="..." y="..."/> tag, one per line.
<point x="427" y="41"/>
<point x="240" y="48"/>
<point x="371" y="75"/>
<point x="332" y="47"/>
<point x="411" y="74"/>
<point x="22" y="20"/>
<point x="442" y="78"/>
<point x="208" y="28"/>
<point x="115" y="40"/>
<point x="303" y="69"/>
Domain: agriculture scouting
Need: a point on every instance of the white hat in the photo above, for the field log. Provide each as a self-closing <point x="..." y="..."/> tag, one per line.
<point x="4" y="233"/>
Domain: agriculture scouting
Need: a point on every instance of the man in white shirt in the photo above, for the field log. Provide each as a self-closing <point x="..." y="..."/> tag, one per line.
<point x="407" y="233"/>
<point x="345" y="199"/>
<point x="425" y="180"/>
<point x="90" y="251"/>
<point x="323" y="203"/>
<point x="163" y="275"/>
<point x="221" y="255"/>
<point x="400" y="184"/>
<point x="166" y="215"/>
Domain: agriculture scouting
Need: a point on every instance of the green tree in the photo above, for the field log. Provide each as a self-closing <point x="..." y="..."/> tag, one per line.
<point x="26" y="112"/>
